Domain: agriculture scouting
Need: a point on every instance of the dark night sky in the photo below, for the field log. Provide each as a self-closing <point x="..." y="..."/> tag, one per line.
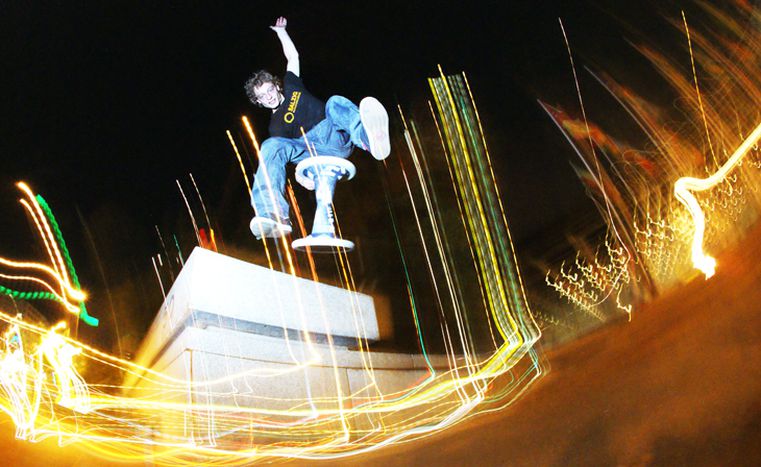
<point x="105" y="104"/>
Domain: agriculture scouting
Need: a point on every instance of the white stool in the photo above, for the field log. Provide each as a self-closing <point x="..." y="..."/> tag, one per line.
<point x="325" y="171"/>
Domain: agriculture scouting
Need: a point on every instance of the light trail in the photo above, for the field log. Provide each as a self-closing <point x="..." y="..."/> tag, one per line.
<point x="685" y="185"/>
<point x="203" y="205"/>
<point x="190" y="212"/>
<point x="169" y="420"/>
<point x="642" y="192"/>
<point x="60" y="271"/>
<point x="464" y="258"/>
<point x="240" y="163"/>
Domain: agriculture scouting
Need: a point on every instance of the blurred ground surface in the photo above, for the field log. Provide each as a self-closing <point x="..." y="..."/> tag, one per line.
<point x="679" y="385"/>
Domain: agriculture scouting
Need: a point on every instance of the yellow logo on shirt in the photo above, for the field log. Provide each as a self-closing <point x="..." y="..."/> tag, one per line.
<point x="288" y="117"/>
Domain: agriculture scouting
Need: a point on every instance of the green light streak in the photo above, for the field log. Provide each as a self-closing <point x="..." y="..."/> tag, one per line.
<point x="83" y="315"/>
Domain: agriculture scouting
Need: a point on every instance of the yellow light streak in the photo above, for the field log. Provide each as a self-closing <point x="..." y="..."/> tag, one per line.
<point x="685" y="185"/>
<point x="168" y="419"/>
<point x="45" y="231"/>
<point x="641" y="192"/>
<point x="55" y="277"/>
<point x="240" y="163"/>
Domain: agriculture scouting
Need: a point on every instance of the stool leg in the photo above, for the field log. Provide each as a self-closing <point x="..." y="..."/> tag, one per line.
<point x="323" y="217"/>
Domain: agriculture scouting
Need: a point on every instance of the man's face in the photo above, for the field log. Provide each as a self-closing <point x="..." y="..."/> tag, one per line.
<point x="268" y="95"/>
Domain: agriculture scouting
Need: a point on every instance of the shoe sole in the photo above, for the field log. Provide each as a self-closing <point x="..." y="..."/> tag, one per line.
<point x="375" y="121"/>
<point x="267" y="228"/>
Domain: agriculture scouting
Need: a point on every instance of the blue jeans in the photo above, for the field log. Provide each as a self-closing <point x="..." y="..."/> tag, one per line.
<point x="336" y="135"/>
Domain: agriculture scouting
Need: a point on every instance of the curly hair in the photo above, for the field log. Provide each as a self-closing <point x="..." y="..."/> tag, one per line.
<point x="256" y="80"/>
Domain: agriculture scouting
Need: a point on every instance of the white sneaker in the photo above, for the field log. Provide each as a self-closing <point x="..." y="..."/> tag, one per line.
<point x="269" y="228"/>
<point x="375" y="121"/>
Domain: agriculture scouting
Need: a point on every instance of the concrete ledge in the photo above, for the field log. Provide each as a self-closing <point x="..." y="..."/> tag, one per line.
<point x="217" y="290"/>
<point x="237" y="335"/>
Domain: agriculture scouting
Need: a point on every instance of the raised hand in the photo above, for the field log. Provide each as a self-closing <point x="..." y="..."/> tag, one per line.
<point x="280" y="24"/>
<point x="291" y="54"/>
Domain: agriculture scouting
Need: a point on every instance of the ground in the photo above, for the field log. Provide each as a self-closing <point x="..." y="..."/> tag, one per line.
<point x="678" y="385"/>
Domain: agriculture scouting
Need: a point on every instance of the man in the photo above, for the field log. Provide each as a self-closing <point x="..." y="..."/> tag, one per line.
<point x="333" y="129"/>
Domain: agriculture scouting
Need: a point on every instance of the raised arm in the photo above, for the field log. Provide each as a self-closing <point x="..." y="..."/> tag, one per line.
<point x="289" y="50"/>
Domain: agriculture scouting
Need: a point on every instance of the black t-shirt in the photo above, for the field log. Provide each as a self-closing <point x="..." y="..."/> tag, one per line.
<point x="299" y="109"/>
